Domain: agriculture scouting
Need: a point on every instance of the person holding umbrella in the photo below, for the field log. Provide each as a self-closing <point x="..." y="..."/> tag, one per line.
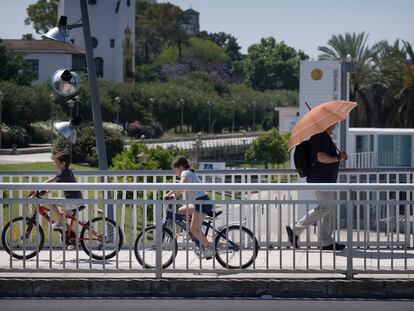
<point x="315" y="130"/>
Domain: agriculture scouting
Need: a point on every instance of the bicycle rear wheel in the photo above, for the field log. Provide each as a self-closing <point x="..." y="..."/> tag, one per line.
<point x="236" y="247"/>
<point x="101" y="239"/>
<point x="145" y="248"/>
<point x="20" y="238"/>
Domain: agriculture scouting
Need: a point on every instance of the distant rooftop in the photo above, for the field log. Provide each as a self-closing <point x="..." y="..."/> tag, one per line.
<point x="41" y="46"/>
<point x="382" y="130"/>
<point x="191" y="12"/>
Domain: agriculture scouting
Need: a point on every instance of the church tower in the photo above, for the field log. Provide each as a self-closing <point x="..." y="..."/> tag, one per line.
<point x="113" y="35"/>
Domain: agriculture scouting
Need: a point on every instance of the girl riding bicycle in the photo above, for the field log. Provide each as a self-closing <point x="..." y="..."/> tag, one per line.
<point x="197" y="212"/>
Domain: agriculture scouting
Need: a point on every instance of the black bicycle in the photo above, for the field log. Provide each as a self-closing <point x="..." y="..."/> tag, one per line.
<point x="235" y="245"/>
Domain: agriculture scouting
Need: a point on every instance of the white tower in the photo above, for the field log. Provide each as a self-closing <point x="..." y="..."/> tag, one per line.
<point x="113" y="35"/>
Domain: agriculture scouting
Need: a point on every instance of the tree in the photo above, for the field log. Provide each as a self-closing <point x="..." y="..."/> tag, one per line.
<point x="43" y="15"/>
<point x="12" y="68"/>
<point x="340" y="47"/>
<point x="270" y="65"/>
<point x="27" y="36"/>
<point x="225" y="41"/>
<point x="270" y="147"/>
<point x="157" y="24"/>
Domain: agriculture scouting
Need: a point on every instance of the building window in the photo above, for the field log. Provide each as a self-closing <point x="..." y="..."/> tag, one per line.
<point x="78" y="61"/>
<point x="99" y="64"/>
<point x="32" y="66"/>
<point x="394" y="150"/>
<point x="128" y="2"/>
<point x="91" y="2"/>
<point x="117" y="7"/>
<point x="94" y="42"/>
<point x="112" y="43"/>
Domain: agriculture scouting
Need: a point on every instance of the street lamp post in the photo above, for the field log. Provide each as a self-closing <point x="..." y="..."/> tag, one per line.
<point x="234" y="115"/>
<point x="182" y="115"/>
<point x="254" y="115"/>
<point x="209" y="116"/>
<point x="118" y="107"/>
<point x="52" y="102"/>
<point x="1" y="108"/>
<point x="71" y="104"/>
<point x="77" y="99"/>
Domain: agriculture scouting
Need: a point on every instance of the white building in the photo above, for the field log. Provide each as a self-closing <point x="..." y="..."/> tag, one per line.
<point x="322" y="81"/>
<point x="191" y="21"/>
<point x="113" y="35"/>
<point x="44" y="57"/>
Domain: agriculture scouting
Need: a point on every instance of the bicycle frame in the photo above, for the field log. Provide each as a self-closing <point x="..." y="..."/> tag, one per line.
<point x="44" y="211"/>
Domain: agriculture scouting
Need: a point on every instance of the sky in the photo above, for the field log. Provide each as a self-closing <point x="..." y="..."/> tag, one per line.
<point x="302" y="24"/>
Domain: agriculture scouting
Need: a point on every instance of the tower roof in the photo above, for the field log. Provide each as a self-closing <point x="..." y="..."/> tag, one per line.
<point x="191" y="12"/>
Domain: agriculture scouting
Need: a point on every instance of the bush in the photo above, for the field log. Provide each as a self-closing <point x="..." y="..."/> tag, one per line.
<point x="140" y="157"/>
<point x="14" y="135"/>
<point x="40" y="132"/>
<point x="84" y="149"/>
<point x="136" y="129"/>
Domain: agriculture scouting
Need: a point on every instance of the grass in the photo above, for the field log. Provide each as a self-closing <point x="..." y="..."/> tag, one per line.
<point x="40" y="166"/>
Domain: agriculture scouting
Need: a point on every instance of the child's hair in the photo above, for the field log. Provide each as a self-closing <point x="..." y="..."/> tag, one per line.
<point x="63" y="157"/>
<point x="181" y="161"/>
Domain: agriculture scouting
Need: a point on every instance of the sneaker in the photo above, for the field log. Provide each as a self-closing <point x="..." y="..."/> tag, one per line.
<point x="292" y="238"/>
<point x="70" y="247"/>
<point x="57" y="226"/>
<point x="208" y="252"/>
<point x="197" y="251"/>
<point x="338" y="247"/>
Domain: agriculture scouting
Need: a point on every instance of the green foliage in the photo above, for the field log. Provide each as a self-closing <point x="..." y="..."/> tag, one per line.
<point x="12" y="68"/>
<point x="226" y="41"/>
<point x="40" y="132"/>
<point x="140" y="157"/>
<point x="147" y="72"/>
<point x="14" y="135"/>
<point x="157" y="24"/>
<point x="202" y="49"/>
<point x="43" y="15"/>
<point x="270" y="147"/>
<point x="83" y="149"/>
<point x="23" y="105"/>
<point x="270" y="65"/>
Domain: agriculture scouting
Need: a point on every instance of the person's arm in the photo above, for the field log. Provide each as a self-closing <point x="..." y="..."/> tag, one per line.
<point x="174" y="193"/>
<point x="53" y="179"/>
<point x="326" y="158"/>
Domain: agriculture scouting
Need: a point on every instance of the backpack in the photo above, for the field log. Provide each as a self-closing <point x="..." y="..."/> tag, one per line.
<point x="304" y="158"/>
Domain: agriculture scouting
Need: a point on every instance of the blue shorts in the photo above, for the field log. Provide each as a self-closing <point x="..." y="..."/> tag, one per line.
<point x="203" y="208"/>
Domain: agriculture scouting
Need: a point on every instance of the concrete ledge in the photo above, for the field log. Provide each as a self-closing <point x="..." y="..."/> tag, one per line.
<point x="298" y="288"/>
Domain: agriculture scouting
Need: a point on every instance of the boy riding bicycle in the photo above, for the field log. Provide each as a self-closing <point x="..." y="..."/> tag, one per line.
<point x="65" y="174"/>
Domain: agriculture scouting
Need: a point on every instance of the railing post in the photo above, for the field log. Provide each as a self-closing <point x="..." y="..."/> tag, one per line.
<point x="158" y="239"/>
<point x="349" y="237"/>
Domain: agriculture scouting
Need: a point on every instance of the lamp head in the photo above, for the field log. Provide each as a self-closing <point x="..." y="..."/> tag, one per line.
<point x="65" y="82"/>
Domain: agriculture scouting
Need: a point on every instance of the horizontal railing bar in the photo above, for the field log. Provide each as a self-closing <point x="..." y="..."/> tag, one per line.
<point x="173" y="202"/>
<point x="210" y="186"/>
<point x="206" y="172"/>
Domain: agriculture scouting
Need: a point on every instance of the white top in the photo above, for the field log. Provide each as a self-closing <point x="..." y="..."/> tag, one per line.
<point x="192" y="178"/>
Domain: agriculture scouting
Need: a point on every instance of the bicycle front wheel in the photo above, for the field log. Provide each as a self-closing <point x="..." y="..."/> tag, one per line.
<point x="20" y="238"/>
<point x="145" y="248"/>
<point x="101" y="239"/>
<point x="236" y="247"/>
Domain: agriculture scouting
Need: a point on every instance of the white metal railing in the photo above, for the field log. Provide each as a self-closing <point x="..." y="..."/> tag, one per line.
<point x="375" y="221"/>
<point x="362" y="160"/>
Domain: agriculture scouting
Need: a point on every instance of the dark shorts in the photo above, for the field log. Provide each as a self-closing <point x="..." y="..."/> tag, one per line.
<point x="203" y="208"/>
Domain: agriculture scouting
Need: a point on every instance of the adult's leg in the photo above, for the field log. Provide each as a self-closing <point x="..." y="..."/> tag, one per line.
<point x="313" y="216"/>
<point x="327" y="221"/>
<point x="196" y="222"/>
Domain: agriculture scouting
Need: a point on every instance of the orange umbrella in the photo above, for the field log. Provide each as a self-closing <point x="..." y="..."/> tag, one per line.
<point x="318" y="119"/>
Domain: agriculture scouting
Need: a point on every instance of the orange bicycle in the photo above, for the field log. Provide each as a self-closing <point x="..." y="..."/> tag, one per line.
<point x="24" y="237"/>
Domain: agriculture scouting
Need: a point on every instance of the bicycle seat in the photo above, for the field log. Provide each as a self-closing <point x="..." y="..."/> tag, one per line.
<point x="214" y="214"/>
<point x="80" y="208"/>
